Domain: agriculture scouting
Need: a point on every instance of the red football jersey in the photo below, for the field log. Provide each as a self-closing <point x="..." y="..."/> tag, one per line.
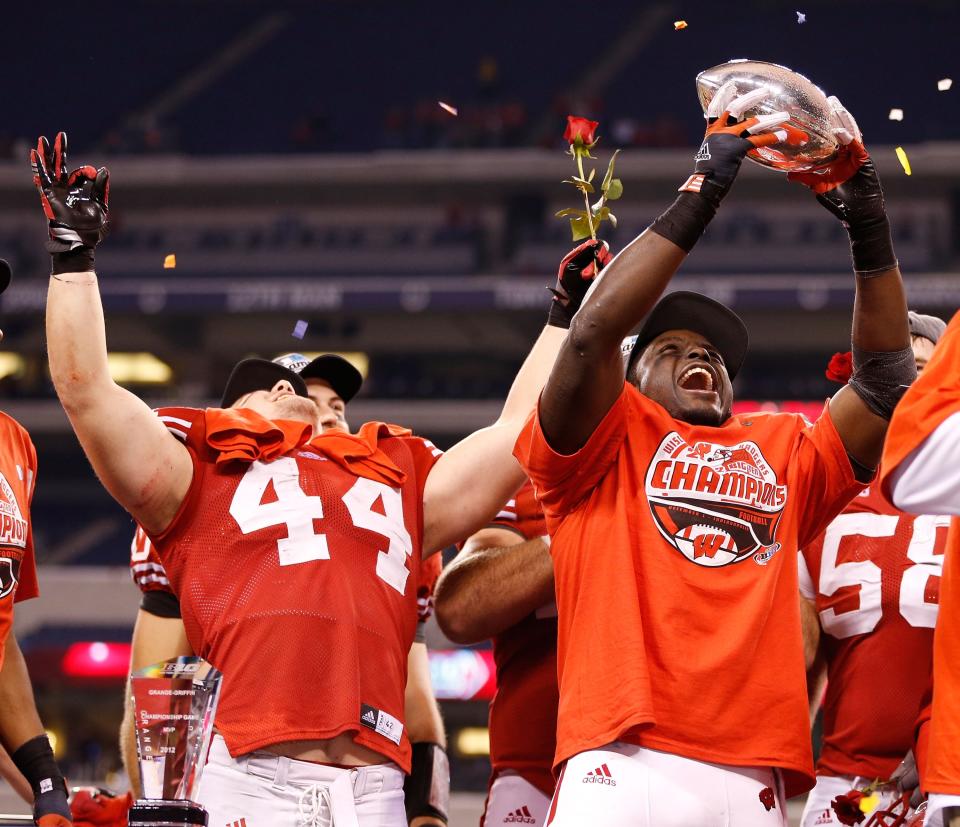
<point x="875" y="577"/>
<point x="148" y="573"/>
<point x="674" y="552"/>
<point x="18" y="476"/>
<point x="523" y="713"/>
<point x="293" y="580"/>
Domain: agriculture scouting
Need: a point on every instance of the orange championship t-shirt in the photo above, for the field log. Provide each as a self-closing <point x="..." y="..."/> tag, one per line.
<point x="674" y="549"/>
<point x="932" y="399"/>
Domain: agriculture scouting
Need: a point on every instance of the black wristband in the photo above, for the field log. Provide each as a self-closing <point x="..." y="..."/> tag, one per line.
<point x="685" y="220"/>
<point x="426" y="791"/>
<point x="559" y="314"/>
<point x="79" y="260"/>
<point x="872" y="248"/>
<point x="35" y="760"/>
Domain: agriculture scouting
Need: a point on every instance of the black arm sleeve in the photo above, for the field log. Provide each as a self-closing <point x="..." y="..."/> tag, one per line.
<point x="161" y="604"/>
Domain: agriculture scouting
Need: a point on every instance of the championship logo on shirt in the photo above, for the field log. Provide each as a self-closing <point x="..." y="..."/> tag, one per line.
<point x="13" y="528"/>
<point x="716" y="504"/>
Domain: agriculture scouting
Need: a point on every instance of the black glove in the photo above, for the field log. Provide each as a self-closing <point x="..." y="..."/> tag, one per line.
<point x="850" y="188"/>
<point x="576" y="273"/>
<point x="76" y="205"/>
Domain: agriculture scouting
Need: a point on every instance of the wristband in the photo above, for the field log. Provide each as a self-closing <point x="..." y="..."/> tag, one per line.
<point x="872" y="248"/>
<point x="559" y="314"/>
<point x="35" y="760"/>
<point x="426" y="791"/>
<point x="79" y="260"/>
<point x="685" y="220"/>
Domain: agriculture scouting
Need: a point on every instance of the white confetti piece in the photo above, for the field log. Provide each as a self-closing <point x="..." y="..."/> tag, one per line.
<point x="896" y="115"/>
<point x="801" y="17"/>
<point x="944" y="84"/>
<point x="446" y="107"/>
<point x="299" y="329"/>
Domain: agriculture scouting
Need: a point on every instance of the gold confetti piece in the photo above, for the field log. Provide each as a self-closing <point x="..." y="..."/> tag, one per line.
<point x="169" y="262"/>
<point x="896" y="115"/>
<point x="869" y="803"/>
<point x="904" y="160"/>
<point x="679" y="24"/>
<point x="446" y="107"/>
<point x="944" y="84"/>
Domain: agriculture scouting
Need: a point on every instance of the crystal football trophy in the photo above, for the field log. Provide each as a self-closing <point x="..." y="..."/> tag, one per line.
<point x="790" y="92"/>
<point x="174" y="704"/>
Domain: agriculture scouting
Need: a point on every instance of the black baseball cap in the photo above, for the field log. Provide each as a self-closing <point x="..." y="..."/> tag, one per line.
<point x="342" y="376"/>
<point x="684" y="310"/>
<point x="257" y="374"/>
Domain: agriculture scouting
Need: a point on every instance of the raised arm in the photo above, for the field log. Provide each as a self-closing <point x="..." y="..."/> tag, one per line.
<point x="883" y="361"/>
<point x="588" y="376"/>
<point x="147" y="470"/>
<point x="493" y="583"/>
<point x="478" y="474"/>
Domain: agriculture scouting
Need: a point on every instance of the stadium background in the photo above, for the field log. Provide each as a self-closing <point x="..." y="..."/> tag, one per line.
<point x="293" y="157"/>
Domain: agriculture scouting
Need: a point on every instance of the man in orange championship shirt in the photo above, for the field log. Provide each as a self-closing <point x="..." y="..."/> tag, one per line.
<point x="675" y="526"/>
<point x="287" y="549"/>
<point x="921" y="474"/>
<point x="26" y="760"/>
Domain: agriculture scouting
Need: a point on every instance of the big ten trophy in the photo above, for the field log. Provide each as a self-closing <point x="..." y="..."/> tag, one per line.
<point x="174" y="704"/>
<point x="812" y="143"/>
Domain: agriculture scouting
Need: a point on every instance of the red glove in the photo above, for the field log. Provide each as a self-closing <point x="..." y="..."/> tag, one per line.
<point x="94" y="807"/>
<point x="576" y="273"/>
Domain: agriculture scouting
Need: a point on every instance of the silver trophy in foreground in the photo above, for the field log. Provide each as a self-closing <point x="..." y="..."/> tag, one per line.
<point x="174" y="703"/>
<point x="811" y="116"/>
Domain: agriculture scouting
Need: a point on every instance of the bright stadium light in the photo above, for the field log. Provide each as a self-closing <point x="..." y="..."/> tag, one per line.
<point x="473" y="741"/>
<point x="11" y="364"/>
<point x="139" y="369"/>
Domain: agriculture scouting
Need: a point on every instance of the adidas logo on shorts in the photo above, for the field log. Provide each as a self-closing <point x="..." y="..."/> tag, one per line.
<point x="601" y="775"/>
<point x="826" y="817"/>
<point x="369" y="717"/>
<point x="521" y="816"/>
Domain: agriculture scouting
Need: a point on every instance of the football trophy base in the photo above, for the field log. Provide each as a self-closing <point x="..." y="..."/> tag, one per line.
<point x="158" y="812"/>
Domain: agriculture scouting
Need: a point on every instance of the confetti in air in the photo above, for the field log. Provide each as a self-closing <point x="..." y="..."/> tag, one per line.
<point x="944" y="84"/>
<point x="299" y="329"/>
<point x="679" y="24"/>
<point x="896" y="115"/>
<point x="801" y="17"/>
<point x="446" y="107"/>
<point x="904" y="160"/>
<point x="169" y="262"/>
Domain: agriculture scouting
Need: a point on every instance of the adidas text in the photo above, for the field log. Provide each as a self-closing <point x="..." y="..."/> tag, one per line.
<point x="596" y="779"/>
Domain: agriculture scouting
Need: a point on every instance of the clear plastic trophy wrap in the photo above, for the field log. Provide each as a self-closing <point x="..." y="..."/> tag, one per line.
<point x="174" y="704"/>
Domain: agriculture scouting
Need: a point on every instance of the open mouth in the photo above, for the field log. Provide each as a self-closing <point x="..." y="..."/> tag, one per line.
<point x="697" y="379"/>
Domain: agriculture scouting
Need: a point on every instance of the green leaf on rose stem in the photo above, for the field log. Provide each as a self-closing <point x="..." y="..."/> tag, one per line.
<point x="580" y="228"/>
<point x="590" y="176"/>
<point x="601" y="214"/>
<point x="595" y="208"/>
<point x="609" y="176"/>
<point x="613" y="218"/>
<point x="580" y="184"/>
<point x="615" y="190"/>
<point x="570" y="211"/>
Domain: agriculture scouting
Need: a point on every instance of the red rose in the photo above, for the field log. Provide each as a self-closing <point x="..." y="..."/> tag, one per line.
<point x="840" y="368"/>
<point x="847" y="807"/>
<point x="767" y="798"/>
<point x="580" y="131"/>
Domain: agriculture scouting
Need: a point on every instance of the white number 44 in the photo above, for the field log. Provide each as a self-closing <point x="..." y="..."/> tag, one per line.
<point x="297" y="511"/>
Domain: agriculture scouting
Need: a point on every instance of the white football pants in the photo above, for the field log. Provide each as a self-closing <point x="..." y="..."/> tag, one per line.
<point x="622" y="785"/>
<point x="515" y="802"/>
<point x="265" y="790"/>
<point x="819" y="813"/>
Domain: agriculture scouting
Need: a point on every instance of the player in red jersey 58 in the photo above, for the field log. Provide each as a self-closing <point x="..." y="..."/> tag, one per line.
<point x="290" y="551"/>
<point x="674" y="524"/>
<point x="873" y="581"/>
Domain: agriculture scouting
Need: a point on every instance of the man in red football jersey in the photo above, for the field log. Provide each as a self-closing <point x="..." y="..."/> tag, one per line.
<point x="921" y="474"/>
<point x="159" y="634"/>
<point x="288" y="550"/>
<point x="872" y="581"/>
<point x="500" y="586"/>
<point x="674" y="524"/>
